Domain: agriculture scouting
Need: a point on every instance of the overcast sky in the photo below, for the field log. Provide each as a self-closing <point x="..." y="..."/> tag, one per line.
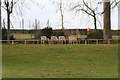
<point x="49" y="11"/>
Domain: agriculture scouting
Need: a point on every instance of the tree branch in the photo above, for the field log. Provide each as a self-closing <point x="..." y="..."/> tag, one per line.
<point x="116" y="3"/>
<point x="87" y="6"/>
<point x="4" y="7"/>
<point x="76" y="7"/>
<point x="85" y="12"/>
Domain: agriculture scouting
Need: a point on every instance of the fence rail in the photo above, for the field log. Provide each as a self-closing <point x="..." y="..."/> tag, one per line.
<point x="79" y="41"/>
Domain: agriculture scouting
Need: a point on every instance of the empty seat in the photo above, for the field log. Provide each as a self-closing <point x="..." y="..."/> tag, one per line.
<point x="62" y="38"/>
<point x="43" y="39"/>
<point x="72" y="39"/>
<point x="54" y="38"/>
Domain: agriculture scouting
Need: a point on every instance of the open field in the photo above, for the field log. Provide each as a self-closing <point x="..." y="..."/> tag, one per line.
<point x="23" y="36"/>
<point x="60" y="61"/>
<point x="30" y="36"/>
<point x="116" y="37"/>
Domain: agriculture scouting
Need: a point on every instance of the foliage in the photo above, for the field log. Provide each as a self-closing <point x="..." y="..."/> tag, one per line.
<point x="4" y="35"/>
<point x="58" y="33"/>
<point x="95" y="35"/>
<point x="12" y="37"/>
<point x="47" y="31"/>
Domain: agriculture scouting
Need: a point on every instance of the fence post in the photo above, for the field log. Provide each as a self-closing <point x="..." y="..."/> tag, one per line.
<point x="12" y="42"/>
<point x="85" y="41"/>
<point x="37" y="41"/>
<point x="109" y="41"/>
<point x="25" y="42"/>
<point x="97" y="41"/>
<point x="0" y="42"/>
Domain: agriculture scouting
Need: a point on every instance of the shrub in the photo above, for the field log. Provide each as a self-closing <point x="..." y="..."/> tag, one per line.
<point x="4" y="35"/>
<point x="59" y="33"/>
<point x="95" y="35"/>
<point x="47" y="32"/>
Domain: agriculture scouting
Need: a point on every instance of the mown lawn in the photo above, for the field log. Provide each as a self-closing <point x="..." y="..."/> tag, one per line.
<point x="20" y="36"/>
<point x="23" y="36"/>
<point x="60" y="61"/>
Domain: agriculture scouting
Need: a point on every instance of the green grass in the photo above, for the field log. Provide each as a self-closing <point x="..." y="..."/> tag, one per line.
<point x="20" y="36"/>
<point x="60" y="61"/>
<point x="116" y="37"/>
<point x="23" y="36"/>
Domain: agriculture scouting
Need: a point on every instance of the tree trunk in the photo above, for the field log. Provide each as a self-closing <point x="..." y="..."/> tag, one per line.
<point x="0" y="14"/>
<point x="95" y="22"/>
<point x="8" y="24"/>
<point x="62" y="24"/>
<point x="0" y="23"/>
<point x="107" y="21"/>
<point x="119" y="17"/>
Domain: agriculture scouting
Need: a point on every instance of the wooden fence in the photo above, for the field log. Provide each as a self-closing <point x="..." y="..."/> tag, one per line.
<point x="79" y="41"/>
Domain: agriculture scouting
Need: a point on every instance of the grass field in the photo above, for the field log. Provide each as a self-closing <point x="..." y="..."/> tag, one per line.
<point x="60" y="61"/>
<point x="23" y="36"/>
<point x="30" y="36"/>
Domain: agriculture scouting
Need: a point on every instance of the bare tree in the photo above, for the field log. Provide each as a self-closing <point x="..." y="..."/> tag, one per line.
<point x="0" y="44"/>
<point x="108" y="5"/>
<point x="84" y="6"/>
<point x="61" y="10"/>
<point x="107" y="20"/>
<point x="119" y="16"/>
<point x="0" y="22"/>
<point x="9" y="5"/>
<point x="37" y="32"/>
<point x="59" y="4"/>
<point x="0" y="14"/>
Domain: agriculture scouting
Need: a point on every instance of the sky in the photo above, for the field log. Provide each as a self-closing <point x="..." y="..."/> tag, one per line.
<point x="46" y="10"/>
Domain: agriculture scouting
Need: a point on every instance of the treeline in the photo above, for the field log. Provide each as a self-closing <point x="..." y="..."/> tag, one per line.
<point x="69" y="31"/>
<point x="48" y="32"/>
